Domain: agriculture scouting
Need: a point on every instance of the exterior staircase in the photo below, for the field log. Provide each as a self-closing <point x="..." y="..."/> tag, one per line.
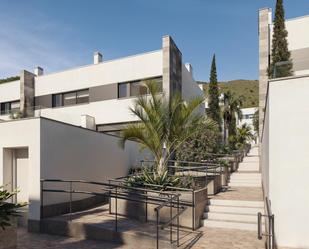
<point x="235" y="213"/>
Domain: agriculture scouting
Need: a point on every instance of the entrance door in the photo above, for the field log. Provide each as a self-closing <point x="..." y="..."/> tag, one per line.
<point x="21" y="174"/>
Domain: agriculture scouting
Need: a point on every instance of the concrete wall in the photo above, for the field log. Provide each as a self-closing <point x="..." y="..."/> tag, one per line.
<point x="69" y="152"/>
<point x="285" y="143"/>
<point x="10" y="91"/>
<point x="190" y="89"/>
<point x="24" y="134"/>
<point x="58" y="150"/>
<point x="113" y="71"/>
<point x="105" y="112"/>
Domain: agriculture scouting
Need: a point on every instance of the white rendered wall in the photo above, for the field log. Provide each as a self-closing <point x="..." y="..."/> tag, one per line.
<point x="24" y="133"/>
<point x="285" y="148"/>
<point x="248" y="121"/>
<point x="114" y="71"/>
<point x="105" y="112"/>
<point x="10" y="91"/>
<point x="297" y="36"/>
<point x="69" y="152"/>
<point x="298" y="39"/>
<point x="190" y="89"/>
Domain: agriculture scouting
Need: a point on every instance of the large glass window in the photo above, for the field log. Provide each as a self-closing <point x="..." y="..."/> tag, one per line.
<point x="5" y="108"/>
<point x="57" y="100"/>
<point x="9" y="107"/>
<point x="82" y="96"/>
<point x="71" y="98"/>
<point x="123" y="90"/>
<point x="15" y="106"/>
<point x="137" y="88"/>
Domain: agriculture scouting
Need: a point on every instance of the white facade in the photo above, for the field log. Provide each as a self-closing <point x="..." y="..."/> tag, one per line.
<point x="284" y="157"/>
<point x="298" y="42"/>
<point x="247" y="117"/>
<point x="60" y="140"/>
<point x="101" y="80"/>
<point x="59" y="151"/>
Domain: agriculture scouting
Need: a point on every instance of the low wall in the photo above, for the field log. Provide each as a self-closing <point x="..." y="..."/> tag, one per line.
<point x="190" y="218"/>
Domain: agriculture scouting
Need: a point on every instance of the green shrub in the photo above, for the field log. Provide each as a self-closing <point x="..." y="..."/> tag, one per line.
<point x="8" y="209"/>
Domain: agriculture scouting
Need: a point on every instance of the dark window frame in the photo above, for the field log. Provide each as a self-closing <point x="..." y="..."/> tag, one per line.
<point x="76" y="102"/>
<point x="7" y="111"/>
<point x="130" y="83"/>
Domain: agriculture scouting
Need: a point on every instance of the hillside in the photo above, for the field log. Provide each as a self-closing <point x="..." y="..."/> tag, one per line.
<point x="247" y="88"/>
<point x="9" y="79"/>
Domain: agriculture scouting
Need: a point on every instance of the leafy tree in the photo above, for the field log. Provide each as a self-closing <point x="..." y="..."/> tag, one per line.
<point x="231" y="110"/>
<point x="164" y="124"/>
<point x="281" y="57"/>
<point x="197" y="146"/>
<point x="7" y="208"/>
<point x="213" y="94"/>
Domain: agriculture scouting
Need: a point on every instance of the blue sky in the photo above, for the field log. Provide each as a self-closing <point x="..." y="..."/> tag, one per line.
<point x="62" y="34"/>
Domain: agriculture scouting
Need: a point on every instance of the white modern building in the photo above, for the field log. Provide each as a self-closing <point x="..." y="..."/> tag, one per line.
<point x="67" y="116"/>
<point x="247" y="117"/>
<point x="284" y="133"/>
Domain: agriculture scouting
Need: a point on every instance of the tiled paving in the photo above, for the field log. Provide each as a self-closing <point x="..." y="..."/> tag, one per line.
<point x="212" y="238"/>
<point x="241" y="193"/>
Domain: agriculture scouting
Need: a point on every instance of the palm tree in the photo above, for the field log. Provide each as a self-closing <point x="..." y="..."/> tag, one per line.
<point x="231" y="108"/>
<point x="164" y="124"/>
<point x="243" y="136"/>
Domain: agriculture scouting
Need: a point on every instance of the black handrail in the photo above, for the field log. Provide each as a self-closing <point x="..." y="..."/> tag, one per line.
<point x="165" y="199"/>
<point x="270" y="229"/>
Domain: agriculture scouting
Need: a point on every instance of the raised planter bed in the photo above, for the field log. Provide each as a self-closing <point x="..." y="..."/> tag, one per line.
<point x="194" y="201"/>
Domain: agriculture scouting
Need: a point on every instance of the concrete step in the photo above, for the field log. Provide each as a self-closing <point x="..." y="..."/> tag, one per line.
<point x="245" y="178"/>
<point x="247" y="175"/>
<point x="235" y="210"/>
<point x="230" y="225"/>
<point x="236" y="203"/>
<point x="253" y="185"/>
<point x="245" y="182"/>
<point x="231" y="217"/>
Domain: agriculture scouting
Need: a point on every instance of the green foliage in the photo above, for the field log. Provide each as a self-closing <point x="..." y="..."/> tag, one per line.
<point x="198" y="146"/>
<point x="164" y="124"/>
<point x="280" y="51"/>
<point x="9" y="79"/>
<point x="149" y="176"/>
<point x="246" y="89"/>
<point x="7" y="209"/>
<point x="213" y="94"/>
<point x="256" y="121"/>
<point x="230" y="109"/>
<point x="243" y="136"/>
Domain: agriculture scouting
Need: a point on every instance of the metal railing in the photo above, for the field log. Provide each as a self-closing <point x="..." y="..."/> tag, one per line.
<point x="269" y="225"/>
<point x="183" y="203"/>
<point x="117" y="191"/>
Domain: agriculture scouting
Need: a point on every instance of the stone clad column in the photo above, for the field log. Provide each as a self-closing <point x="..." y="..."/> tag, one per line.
<point x="264" y="60"/>
<point x="27" y="93"/>
<point x="172" y="67"/>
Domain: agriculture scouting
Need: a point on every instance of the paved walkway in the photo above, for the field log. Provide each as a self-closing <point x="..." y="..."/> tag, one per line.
<point x="211" y="237"/>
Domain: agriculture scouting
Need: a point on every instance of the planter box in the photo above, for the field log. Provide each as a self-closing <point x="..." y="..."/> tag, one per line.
<point x="8" y="237"/>
<point x="214" y="183"/>
<point x="225" y="176"/>
<point x="143" y="212"/>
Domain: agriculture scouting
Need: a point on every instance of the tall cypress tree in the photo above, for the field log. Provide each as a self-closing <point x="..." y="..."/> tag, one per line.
<point x="280" y="52"/>
<point x="213" y="93"/>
